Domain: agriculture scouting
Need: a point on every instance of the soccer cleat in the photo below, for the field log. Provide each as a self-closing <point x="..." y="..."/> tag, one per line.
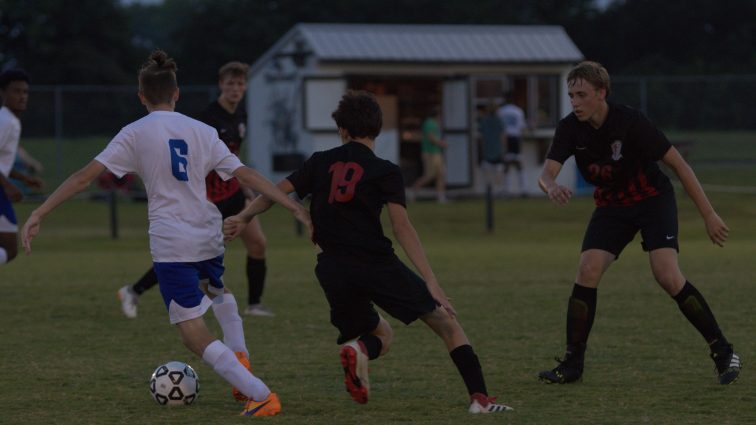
<point x="481" y="403"/>
<point x="268" y="407"/>
<point x="258" y="310"/>
<point x="727" y="363"/>
<point x="129" y="301"/>
<point x="244" y="360"/>
<point x="570" y="369"/>
<point x="354" y="359"/>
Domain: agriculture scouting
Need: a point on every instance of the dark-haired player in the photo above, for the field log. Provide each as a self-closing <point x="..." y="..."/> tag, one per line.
<point x="357" y="267"/>
<point x="173" y="154"/>
<point x="229" y="117"/>
<point x="14" y="91"/>
<point x="616" y="149"/>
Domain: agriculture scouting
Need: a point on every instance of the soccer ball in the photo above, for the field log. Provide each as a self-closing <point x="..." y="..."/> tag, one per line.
<point x="174" y="384"/>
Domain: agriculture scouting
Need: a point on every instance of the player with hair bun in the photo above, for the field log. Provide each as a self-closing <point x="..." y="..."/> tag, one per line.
<point x="227" y="115"/>
<point x="173" y="153"/>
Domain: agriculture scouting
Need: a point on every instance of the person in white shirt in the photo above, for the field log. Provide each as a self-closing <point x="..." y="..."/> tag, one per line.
<point x="14" y="91"/>
<point x="173" y="153"/>
<point x="513" y="118"/>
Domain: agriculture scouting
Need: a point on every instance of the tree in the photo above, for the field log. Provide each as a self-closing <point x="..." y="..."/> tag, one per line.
<point x="57" y="43"/>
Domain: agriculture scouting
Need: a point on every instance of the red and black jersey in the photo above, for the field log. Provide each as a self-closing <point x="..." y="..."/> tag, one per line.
<point x="349" y="186"/>
<point x="232" y="127"/>
<point x="619" y="158"/>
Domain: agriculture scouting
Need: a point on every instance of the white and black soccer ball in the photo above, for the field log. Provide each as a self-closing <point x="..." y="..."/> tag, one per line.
<point x="174" y="384"/>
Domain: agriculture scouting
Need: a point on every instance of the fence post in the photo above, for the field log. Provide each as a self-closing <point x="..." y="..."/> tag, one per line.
<point x="489" y="209"/>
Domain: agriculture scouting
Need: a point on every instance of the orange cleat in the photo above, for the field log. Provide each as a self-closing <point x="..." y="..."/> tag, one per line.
<point x="268" y="407"/>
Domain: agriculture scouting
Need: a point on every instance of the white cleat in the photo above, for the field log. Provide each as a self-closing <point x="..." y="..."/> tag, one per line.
<point x="129" y="301"/>
<point x="481" y="403"/>
<point x="354" y="360"/>
<point x="258" y="310"/>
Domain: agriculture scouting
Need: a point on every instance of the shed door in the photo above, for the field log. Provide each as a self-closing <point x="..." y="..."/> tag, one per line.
<point x="456" y="131"/>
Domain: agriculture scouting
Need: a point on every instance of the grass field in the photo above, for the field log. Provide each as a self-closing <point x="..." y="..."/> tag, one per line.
<point x="70" y="357"/>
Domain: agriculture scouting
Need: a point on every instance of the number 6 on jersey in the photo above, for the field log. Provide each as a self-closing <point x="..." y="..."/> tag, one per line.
<point x="179" y="163"/>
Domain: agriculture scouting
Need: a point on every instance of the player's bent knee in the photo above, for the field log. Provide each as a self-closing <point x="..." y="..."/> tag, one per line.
<point x="589" y="273"/>
<point x="671" y="281"/>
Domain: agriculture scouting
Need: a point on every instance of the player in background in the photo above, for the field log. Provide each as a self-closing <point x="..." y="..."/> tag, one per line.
<point x="513" y="119"/>
<point x="616" y="149"/>
<point x="229" y="117"/>
<point x="14" y="91"/>
<point x="357" y="267"/>
<point x="173" y="154"/>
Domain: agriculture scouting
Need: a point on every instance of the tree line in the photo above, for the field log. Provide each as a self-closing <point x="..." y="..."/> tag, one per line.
<point x="104" y="41"/>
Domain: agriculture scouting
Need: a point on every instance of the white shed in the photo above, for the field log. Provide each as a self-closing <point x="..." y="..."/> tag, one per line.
<point x="297" y="83"/>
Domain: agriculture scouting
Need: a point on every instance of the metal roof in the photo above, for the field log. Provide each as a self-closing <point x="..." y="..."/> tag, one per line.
<point x="433" y="43"/>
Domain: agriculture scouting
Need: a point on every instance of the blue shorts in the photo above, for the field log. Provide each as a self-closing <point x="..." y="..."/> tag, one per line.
<point x="179" y="285"/>
<point x="8" y="222"/>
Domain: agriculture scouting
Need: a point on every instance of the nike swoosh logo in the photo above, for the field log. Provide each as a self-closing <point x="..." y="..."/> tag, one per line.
<point x="253" y="411"/>
<point x="581" y="148"/>
<point x="670" y="237"/>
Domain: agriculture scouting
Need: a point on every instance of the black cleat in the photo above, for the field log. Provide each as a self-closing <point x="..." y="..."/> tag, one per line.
<point x="570" y="369"/>
<point x="728" y="364"/>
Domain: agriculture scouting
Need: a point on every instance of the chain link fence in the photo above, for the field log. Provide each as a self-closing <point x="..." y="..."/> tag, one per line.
<point x="65" y="126"/>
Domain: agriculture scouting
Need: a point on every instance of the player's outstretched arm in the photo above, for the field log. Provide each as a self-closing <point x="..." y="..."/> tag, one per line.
<point x="715" y="226"/>
<point x="232" y="226"/>
<point x="74" y="184"/>
<point x="558" y="194"/>
<point x="407" y="237"/>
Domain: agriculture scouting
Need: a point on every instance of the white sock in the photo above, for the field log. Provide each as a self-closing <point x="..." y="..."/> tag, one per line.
<point x="225" y="364"/>
<point x="227" y="312"/>
<point x="3" y="256"/>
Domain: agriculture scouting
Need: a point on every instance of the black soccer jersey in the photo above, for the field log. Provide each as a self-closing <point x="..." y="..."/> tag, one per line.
<point x="619" y="158"/>
<point x="349" y="186"/>
<point x="231" y="129"/>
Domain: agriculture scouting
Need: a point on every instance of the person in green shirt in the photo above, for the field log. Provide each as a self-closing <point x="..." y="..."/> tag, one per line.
<point x="432" y="148"/>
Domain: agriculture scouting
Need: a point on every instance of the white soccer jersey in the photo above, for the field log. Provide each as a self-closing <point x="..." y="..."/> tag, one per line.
<point x="513" y="119"/>
<point x="10" y="133"/>
<point x="173" y="153"/>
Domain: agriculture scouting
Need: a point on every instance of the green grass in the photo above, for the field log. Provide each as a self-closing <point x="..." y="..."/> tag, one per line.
<point x="70" y="357"/>
<point x="722" y="158"/>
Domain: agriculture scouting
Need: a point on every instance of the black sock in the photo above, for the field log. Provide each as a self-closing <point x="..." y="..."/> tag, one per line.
<point x="373" y="344"/>
<point x="145" y="282"/>
<point x="581" y="310"/>
<point x="697" y="311"/>
<point x="468" y="366"/>
<point x="256" y="269"/>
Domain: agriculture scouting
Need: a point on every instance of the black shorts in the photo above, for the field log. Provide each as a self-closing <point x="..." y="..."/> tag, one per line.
<point x="352" y="288"/>
<point x="232" y="205"/>
<point x="612" y="228"/>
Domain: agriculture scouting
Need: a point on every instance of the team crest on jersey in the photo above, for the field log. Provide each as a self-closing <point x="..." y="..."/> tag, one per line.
<point x="616" y="150"/>
<point x="242" y="130"/>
